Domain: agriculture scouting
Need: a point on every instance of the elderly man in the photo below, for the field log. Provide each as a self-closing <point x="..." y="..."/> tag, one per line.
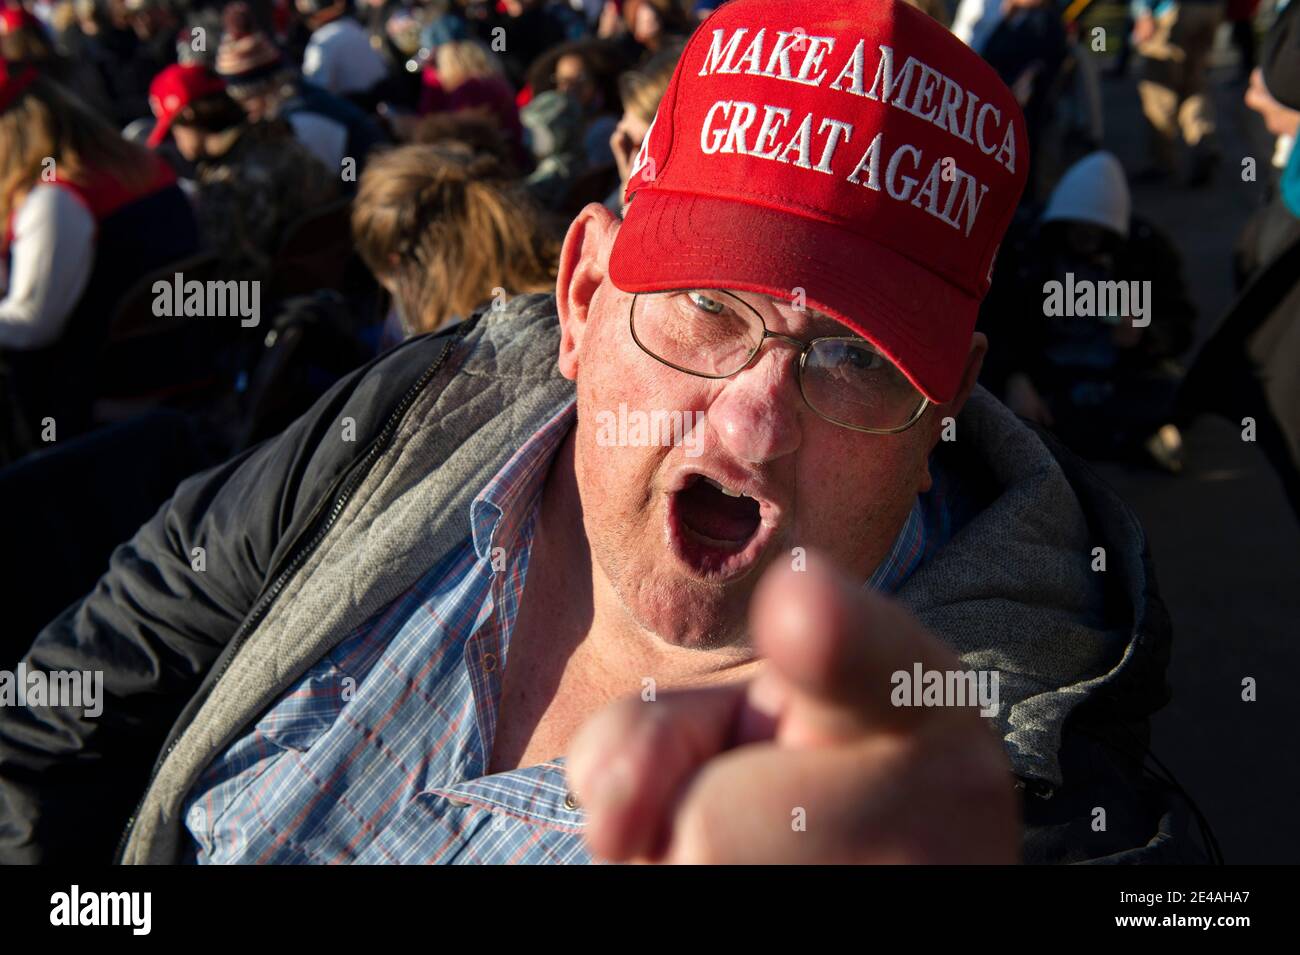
<point x="614" y="586"/>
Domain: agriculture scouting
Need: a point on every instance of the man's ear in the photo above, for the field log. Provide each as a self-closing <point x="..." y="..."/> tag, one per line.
<point x="584" y="264"/>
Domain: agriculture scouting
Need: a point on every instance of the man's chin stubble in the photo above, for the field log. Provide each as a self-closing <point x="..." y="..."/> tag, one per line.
<point x="653" y="614"/>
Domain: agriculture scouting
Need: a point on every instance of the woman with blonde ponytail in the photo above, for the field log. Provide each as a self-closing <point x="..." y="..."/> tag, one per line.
<point x="444" y="231"/>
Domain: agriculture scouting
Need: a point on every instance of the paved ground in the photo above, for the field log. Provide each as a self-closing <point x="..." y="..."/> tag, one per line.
<point x="1226" y="544"/>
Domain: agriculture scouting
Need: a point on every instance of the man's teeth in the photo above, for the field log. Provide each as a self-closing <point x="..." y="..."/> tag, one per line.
<point x="725" y="490"/>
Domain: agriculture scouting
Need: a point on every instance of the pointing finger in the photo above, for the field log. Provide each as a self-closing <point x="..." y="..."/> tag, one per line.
<point x="628" y="763"/>
<point x="838" y="645"/>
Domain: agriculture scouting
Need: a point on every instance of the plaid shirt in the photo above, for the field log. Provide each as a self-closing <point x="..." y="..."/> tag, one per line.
<point x="378" y="753"/>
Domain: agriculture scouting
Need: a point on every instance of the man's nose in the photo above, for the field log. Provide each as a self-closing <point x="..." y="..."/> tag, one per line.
<point x="757" y="414"/>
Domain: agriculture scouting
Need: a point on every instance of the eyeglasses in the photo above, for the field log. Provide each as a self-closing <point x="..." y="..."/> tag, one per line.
<point x="715" y="334"/>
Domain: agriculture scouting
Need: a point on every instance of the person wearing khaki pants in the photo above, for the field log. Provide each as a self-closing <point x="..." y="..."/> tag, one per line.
<point x="1174" y="40"/>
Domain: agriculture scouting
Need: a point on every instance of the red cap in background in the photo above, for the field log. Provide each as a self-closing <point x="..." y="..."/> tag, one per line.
<point x="175" y="88"/>
<point x="13" y="19"/>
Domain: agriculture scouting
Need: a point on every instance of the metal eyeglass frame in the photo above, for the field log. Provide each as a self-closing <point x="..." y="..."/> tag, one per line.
<point x="804" y="350"/>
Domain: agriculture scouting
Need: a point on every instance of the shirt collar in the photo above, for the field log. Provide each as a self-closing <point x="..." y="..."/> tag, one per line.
<point x="498" y="510"/>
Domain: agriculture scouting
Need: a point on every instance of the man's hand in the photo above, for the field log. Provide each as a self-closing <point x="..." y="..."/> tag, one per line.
<point x="809" y="762"/>
<point x="624" y="148"/>
<point x="1278" y="119"/>
<point x="1144" y="28"/>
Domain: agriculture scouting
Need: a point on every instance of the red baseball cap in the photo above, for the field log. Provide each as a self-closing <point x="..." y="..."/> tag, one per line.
<point x="13" y="19"/>
<point x="175" y="88"/>
<point x="856" y="151"/>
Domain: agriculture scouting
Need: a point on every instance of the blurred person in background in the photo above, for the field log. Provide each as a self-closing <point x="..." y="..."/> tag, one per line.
<point x="590" y="10"/>
<point x="1272" y="94"/>
<point x="339" y="57"/>
<point x="588" y="70"/>
<point x="395" y="29"/>
<point x="156" y="24"/>
<point x="975" y="20"/>
<point x="192" y="42"/>
<point x="641" y="91"/>
<point x="267" y="86"/>
<point x="468" y="77"/>
<point x="1246" y="371"/>
<point x="610" y="24"/>
<point x="393" y="26"/>
<point x="657" y="24"/>
<point x="1173" y="40"/>
<point x="85" y="214"/>
<point x="1028" y="49"/>
<point x="477" y="132"/>
<point x="252" y="179"/>
<point x="1104" y="382"/>
<point x="1241" y="14"/>
<point x="74" y="26"/>
<point x="521" y="32"/>
<point x="553" y="128"/>
<point x="373" y="14"/>
<point x="444" y="230"/>
<point x="445" y="27"/>
<point x="24" y="39"/>
<point x="116" y="39"/>
<point x="446" y="22"/>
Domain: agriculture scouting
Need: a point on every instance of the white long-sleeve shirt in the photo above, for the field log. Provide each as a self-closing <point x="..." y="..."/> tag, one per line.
<point x="51" y="258"/>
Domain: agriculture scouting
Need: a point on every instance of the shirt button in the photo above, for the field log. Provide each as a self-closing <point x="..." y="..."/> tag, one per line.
<point x="489" y="662"/>
<point x="570" y="801"/>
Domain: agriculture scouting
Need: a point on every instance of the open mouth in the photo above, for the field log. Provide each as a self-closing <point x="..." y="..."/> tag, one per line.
<point x="719" y="532"/>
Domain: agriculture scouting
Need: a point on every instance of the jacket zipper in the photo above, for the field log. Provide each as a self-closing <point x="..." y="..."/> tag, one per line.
<point x="351" y="483"/>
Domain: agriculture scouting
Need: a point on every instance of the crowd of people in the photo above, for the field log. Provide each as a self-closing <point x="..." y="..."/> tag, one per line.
<point x="264" y="113"/>
<point x="432" y="152"/>
<point x="139" y="134"/>
<point x="360" y="173"/>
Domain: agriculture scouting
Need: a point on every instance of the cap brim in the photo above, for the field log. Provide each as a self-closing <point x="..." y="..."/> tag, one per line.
<point x="159" y="132"/>
<point x="918" y="319"/>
